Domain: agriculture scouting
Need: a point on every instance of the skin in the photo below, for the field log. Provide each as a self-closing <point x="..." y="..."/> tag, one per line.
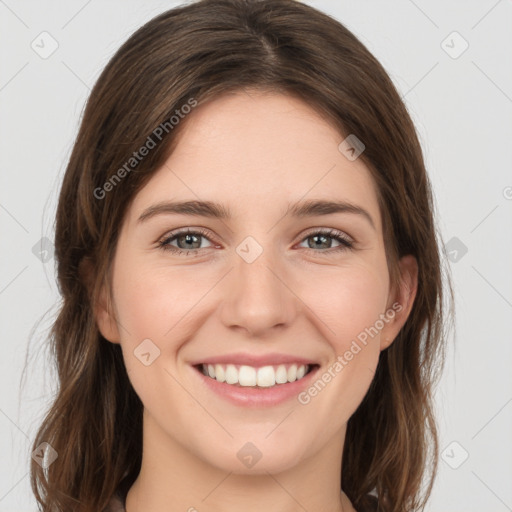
<point x="253" y="152"/>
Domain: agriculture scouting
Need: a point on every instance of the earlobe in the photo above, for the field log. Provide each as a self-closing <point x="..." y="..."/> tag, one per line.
<point x="105" y="320"/>
<point x="403" y="300"/>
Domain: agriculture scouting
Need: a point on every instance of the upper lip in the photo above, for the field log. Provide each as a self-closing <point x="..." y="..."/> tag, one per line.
<point x="254" y="360"/>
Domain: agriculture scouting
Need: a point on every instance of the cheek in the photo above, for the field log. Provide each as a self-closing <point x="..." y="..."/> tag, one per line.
<point x="150" y="302"/>
<point x="347" y="300"/>
<point x="348" y="305"/>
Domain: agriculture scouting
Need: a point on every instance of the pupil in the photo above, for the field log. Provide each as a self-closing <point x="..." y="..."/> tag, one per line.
<point x="323" y="237"/>
<point x="189" y="239"/>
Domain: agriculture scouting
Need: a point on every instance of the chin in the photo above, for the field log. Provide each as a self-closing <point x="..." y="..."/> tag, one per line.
<point x="255" y="455"/>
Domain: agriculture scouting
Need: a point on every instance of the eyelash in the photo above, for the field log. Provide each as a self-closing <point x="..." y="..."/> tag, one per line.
<point x="331" y="233"/>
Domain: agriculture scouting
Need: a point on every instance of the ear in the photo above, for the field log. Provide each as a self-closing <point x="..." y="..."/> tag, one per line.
<point x="105" y="318"/>
<point x="102" y="306"/>
<point x="400" y="301"/>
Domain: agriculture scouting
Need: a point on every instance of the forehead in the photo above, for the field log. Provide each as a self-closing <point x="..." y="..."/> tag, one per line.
<point x="258" y="150"/>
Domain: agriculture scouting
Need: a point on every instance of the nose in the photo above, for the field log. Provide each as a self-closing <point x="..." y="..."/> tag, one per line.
<point x="257" y="297"/>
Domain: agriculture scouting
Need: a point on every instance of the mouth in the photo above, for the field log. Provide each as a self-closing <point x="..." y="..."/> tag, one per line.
<point x="244" y="376"/>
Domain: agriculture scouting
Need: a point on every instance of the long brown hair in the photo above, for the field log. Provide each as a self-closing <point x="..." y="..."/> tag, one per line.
<point x="196" y="52"/>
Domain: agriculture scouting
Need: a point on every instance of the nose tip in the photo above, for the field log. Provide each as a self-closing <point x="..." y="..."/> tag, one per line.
<point x="257" y="298"/>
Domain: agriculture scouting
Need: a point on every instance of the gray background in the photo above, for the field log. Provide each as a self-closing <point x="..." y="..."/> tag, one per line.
<point x="461" y="104"/>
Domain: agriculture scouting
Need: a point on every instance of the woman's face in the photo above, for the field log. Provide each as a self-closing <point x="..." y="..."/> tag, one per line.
<point x="269" y="284"/>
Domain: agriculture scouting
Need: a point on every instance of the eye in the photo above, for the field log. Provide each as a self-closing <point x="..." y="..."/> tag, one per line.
<point x="188" y="240"/>
<point x="321" y="240"/>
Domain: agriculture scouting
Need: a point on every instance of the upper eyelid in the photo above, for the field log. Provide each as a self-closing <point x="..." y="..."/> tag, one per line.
<point x="183" y="231"/>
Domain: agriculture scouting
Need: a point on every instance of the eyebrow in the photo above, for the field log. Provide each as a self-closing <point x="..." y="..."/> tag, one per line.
<point x="214" y="210"/>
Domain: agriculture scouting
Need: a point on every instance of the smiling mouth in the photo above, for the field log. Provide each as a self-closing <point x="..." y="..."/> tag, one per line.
<point x="250" y="376"/>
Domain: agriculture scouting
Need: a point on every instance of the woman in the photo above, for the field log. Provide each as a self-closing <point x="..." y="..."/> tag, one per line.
<point x="252" y="312"/>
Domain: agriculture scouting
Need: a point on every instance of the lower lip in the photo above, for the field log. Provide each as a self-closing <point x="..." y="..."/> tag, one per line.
<point x="256" y="396"/>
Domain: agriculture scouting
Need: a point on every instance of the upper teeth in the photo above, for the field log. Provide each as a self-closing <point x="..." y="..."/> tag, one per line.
<point x="264" y="376"/>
